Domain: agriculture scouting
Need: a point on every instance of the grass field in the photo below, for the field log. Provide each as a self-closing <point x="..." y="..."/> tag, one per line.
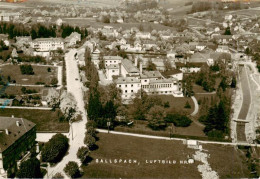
<point x="16" y="90"/>
<point x="177" y="104"/>
<point x="141" y="150"/>
<point x="40" y="74"/>
<point x="44" y="120"/>
<point x="225" y="160"/>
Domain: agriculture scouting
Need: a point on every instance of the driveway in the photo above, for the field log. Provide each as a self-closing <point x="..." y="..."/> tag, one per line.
<point x="77" y="132"/>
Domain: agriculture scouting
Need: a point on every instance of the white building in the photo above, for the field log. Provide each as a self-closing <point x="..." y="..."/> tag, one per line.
<point x="47" y="44"/>
<point x="10" y="16"/>
<point x="112" y="60"/>
<point x="129" y="86"/>
<point x="112" y="70"/>
<point x="143" y="35"/>
<point x="128" y="69"/>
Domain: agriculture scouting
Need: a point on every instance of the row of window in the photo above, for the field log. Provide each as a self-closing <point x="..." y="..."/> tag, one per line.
<point x="157" y="86"/>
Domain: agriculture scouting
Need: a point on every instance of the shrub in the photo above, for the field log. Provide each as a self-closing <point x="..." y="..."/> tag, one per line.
<point x="83" y="153"/>
<point x="178" y="120"/>
<point x="90" y="141"/>
<point x="72" y="169"/>
<point x="58" y="176"/>
<point x="215" y="134"/>
<point x="30" y="169"/>
<point x="54" y="150"/>
<point x="187" y="105"/>
<point x="91" y="131"/>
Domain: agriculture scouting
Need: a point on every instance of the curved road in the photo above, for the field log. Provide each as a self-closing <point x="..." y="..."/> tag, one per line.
<point x="77" y="133"/>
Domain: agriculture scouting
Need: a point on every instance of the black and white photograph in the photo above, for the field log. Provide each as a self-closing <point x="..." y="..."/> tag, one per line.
<point x="132" y="89"/>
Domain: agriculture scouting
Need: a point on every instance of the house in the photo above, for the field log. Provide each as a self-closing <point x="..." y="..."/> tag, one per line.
<point x="14" y="53"/>
<point x="129" y="87"/>
<point x="201" y="46"/>
<point x="10" y="16"/>
<point x="73" y="39"/>
<point x="109" y="32"/>
<point x="171" y="54"/>
<point x="17" y="136"/>
<point x="127" y="68"/>
<point x="223" y="39"/>
<point x="112" y="60"/>
<point x="223" y="49"/>
<point x="112" y="70"/>
<point x="149" y="45"/>
<point x="189" y="67"/>
<point x="23" y="41"/>
<point x="143" y="35"/>
<point x="122" y="41"/>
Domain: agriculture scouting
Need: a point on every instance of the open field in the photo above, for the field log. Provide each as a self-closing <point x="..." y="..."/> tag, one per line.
<point x="44" y="120"/>
<point x="142" y="149"/>
<point x="16" y="90"/>
<point x="40" y="74"/>
<point x="85" y="22"/>
<point x="227" y="161"/>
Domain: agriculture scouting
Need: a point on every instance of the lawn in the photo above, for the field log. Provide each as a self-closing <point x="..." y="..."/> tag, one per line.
<point x="177" y="104"/>
<point x="139" y="149"/>
<point x="140" y="127"/>
<point x="40" y="74"/>
<point x="225" y="160"/>
<point x="45" y="120"/>
<point x="16" y="90"/>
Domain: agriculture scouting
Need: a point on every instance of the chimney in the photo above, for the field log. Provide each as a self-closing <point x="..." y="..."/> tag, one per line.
<point x="17" y="123"/>
<point x="6" y="131"/>
<point x="136" y="61"/>
<point x="120" y="64"/>
<point x="141" y="68"/>
<point x="12" y="116"/>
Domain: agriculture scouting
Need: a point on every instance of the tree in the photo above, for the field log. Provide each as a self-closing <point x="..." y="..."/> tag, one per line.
<point x="233" y="82"/>
<point x="178" y="120"/>
<point x="26" y="70"/>
<point x="167" y="65"/>
<point x="72" y="169"/>
<point x="54" y="150"/>
<point x="223" y="84"/>
<point x="151" y="66"/>
<point x="54" y="81"/>
<point x="68" y="106"/>
<point x="58" y="176"/>
<point x="187" y="105"/>
<point x="227" y="31"/>
<point x="30" y="169"/>
<point x="156" y="117"/>
<point x="83" y="153"/>
<point x="91" y="131"/>
<point x="90" y="141"/>
<point x="53" y="98"/>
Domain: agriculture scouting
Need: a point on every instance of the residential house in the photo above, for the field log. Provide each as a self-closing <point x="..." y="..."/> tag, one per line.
<point x="111" y="71"/>
<point x="10" y="16"/>
<point x="224" y="39"/>
<point x="143" y="35"/>
<point x="129" y="86"/>
<point x="223" y="49"/>
<point x="112" y="60"/>
<point x="17" y="136"/>
<point x="72" y="39"/>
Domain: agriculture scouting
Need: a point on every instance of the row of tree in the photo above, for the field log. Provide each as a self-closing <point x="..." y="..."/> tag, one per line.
<point x="40" y="31"/>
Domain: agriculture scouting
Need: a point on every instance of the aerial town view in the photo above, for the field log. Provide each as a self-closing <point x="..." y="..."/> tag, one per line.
<point x="130" y="89"/>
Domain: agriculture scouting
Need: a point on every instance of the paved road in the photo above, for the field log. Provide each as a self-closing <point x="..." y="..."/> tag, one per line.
<point x="179" y="139"/>
<point x="21" y="107"/>
<point x="77" y="133"/>
<point x="196" y="108"/>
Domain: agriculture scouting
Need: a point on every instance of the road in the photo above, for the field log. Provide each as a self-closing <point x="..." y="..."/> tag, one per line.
<point x="180" y="139"/>
<point x="77" y="133"/>
<point x="196" y="108"/>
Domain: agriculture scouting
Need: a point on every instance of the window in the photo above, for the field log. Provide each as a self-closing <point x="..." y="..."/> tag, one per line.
<point x="145" y="80"/>
<point x="125" y="91"/>
<point x="119" y="86"/>
<point x="132" y="91"/>
<point x="125" y="85"/>
<point x="132" y="85"/>
<point x="113" y="71"/>
<point x="126" y="96"/>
